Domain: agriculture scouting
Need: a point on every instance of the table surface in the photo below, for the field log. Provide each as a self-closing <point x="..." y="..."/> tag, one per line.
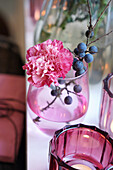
<point x="38" y="143"/>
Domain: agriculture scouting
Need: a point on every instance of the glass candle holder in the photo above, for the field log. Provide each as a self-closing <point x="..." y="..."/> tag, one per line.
<point x="106" y="110"/>
<point x="81" y="147"/>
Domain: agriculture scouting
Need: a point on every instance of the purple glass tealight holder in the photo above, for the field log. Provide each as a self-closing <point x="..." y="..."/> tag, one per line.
<point x="106" y="110"/>
<point x="81" y="147"/>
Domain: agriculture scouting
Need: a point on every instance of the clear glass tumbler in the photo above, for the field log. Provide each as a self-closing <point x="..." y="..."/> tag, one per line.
<point x="81" y="147"/>
<point x="106" y="110"/>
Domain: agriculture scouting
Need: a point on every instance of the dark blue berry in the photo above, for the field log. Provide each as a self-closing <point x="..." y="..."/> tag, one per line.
<point x="82" y="47"/>
<point x="88" y="58"/>
<point x="89" y="34"/>
<point x="78" y="65"/>
<point x="74" y="60"/>
<point x="93" y="49"/>
<point x="81" y="55"/>
<point x="77" y="88"/>
<point x="54" y="92"/>
<point x="61" y="81"/>
<point x="76" y="51"/>
<point x="92" y="34"/>
<point x="85" y="68"/>
<point x="79" y="72"/>
<point x="68" y="100"/>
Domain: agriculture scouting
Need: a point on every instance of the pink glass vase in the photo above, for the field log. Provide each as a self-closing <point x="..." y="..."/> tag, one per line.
<point x="50" y="113"/>
<point x="35" y="7"/>
<point x="106" y="110"/>
<point x="81" y="147"/>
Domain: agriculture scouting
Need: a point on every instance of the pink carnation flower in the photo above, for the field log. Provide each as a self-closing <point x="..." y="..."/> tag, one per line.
<point x="46" y="62"/>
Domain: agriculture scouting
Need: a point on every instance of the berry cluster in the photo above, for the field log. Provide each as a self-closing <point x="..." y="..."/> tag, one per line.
<point x="83" y="53"/>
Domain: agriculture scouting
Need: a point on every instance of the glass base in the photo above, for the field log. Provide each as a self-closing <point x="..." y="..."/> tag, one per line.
<point x="49" y="127"/>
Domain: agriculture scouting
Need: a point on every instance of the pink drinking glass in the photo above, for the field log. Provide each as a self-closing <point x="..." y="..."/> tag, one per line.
<point x="81" y="147"/>
<point x="58" y="114"/>
<point x="106" y="110"/>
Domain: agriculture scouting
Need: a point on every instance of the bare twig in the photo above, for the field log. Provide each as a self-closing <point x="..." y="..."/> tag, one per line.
<point x="49" y="104"/>
<point x="90" y="16"/>
<point x="87" y="41"/>
<point x="101" y="14"/>
<point x="90" y="28"/>
<point x="73" y="93"/>
<point x="59" y="93"/>
<point x="37" y="119"/>
<point x="61" y="100"/>
<point x="99" y="38"/>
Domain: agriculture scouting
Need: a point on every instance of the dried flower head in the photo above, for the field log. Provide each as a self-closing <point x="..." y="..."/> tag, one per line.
<point x="46" y="62"/>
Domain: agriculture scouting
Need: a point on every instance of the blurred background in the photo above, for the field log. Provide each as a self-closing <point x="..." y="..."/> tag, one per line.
<point x="12" y="81"/>
<point x="12" y="22"/>
<point x="24" y="23"/>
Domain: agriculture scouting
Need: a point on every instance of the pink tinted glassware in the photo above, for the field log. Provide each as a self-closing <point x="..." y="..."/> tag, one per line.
<point x="81" y="147"/>
<point x="106" y="110"/>
<point x="58" y="114"/>
<point x="35" y="7"/>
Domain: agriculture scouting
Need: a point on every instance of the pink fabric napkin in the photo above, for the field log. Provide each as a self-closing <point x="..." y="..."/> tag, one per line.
<point x="12" y="112"/>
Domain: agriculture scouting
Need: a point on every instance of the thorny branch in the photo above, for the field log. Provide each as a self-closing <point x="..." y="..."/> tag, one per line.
<point x="49" y="104"/>
<point x="90" y="22"/>
<point x="90" y="27"/>
<point x="90" y="16"/>
<point x="59" y="93"/>
<point x="99" y="38"/>
<point x="101" y="14"/>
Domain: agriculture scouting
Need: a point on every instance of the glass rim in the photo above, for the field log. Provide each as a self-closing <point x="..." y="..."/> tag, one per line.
<point x="66" y="78"/>
<point x="106" y="86"/>
<point x="68" y="127"/>
<point x="74" y="78"/>
<point x="80" y="125"/>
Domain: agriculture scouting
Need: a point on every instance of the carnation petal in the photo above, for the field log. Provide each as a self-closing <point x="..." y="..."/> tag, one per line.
<point x="35" y="78"/>
<point x="46" y="62"/>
